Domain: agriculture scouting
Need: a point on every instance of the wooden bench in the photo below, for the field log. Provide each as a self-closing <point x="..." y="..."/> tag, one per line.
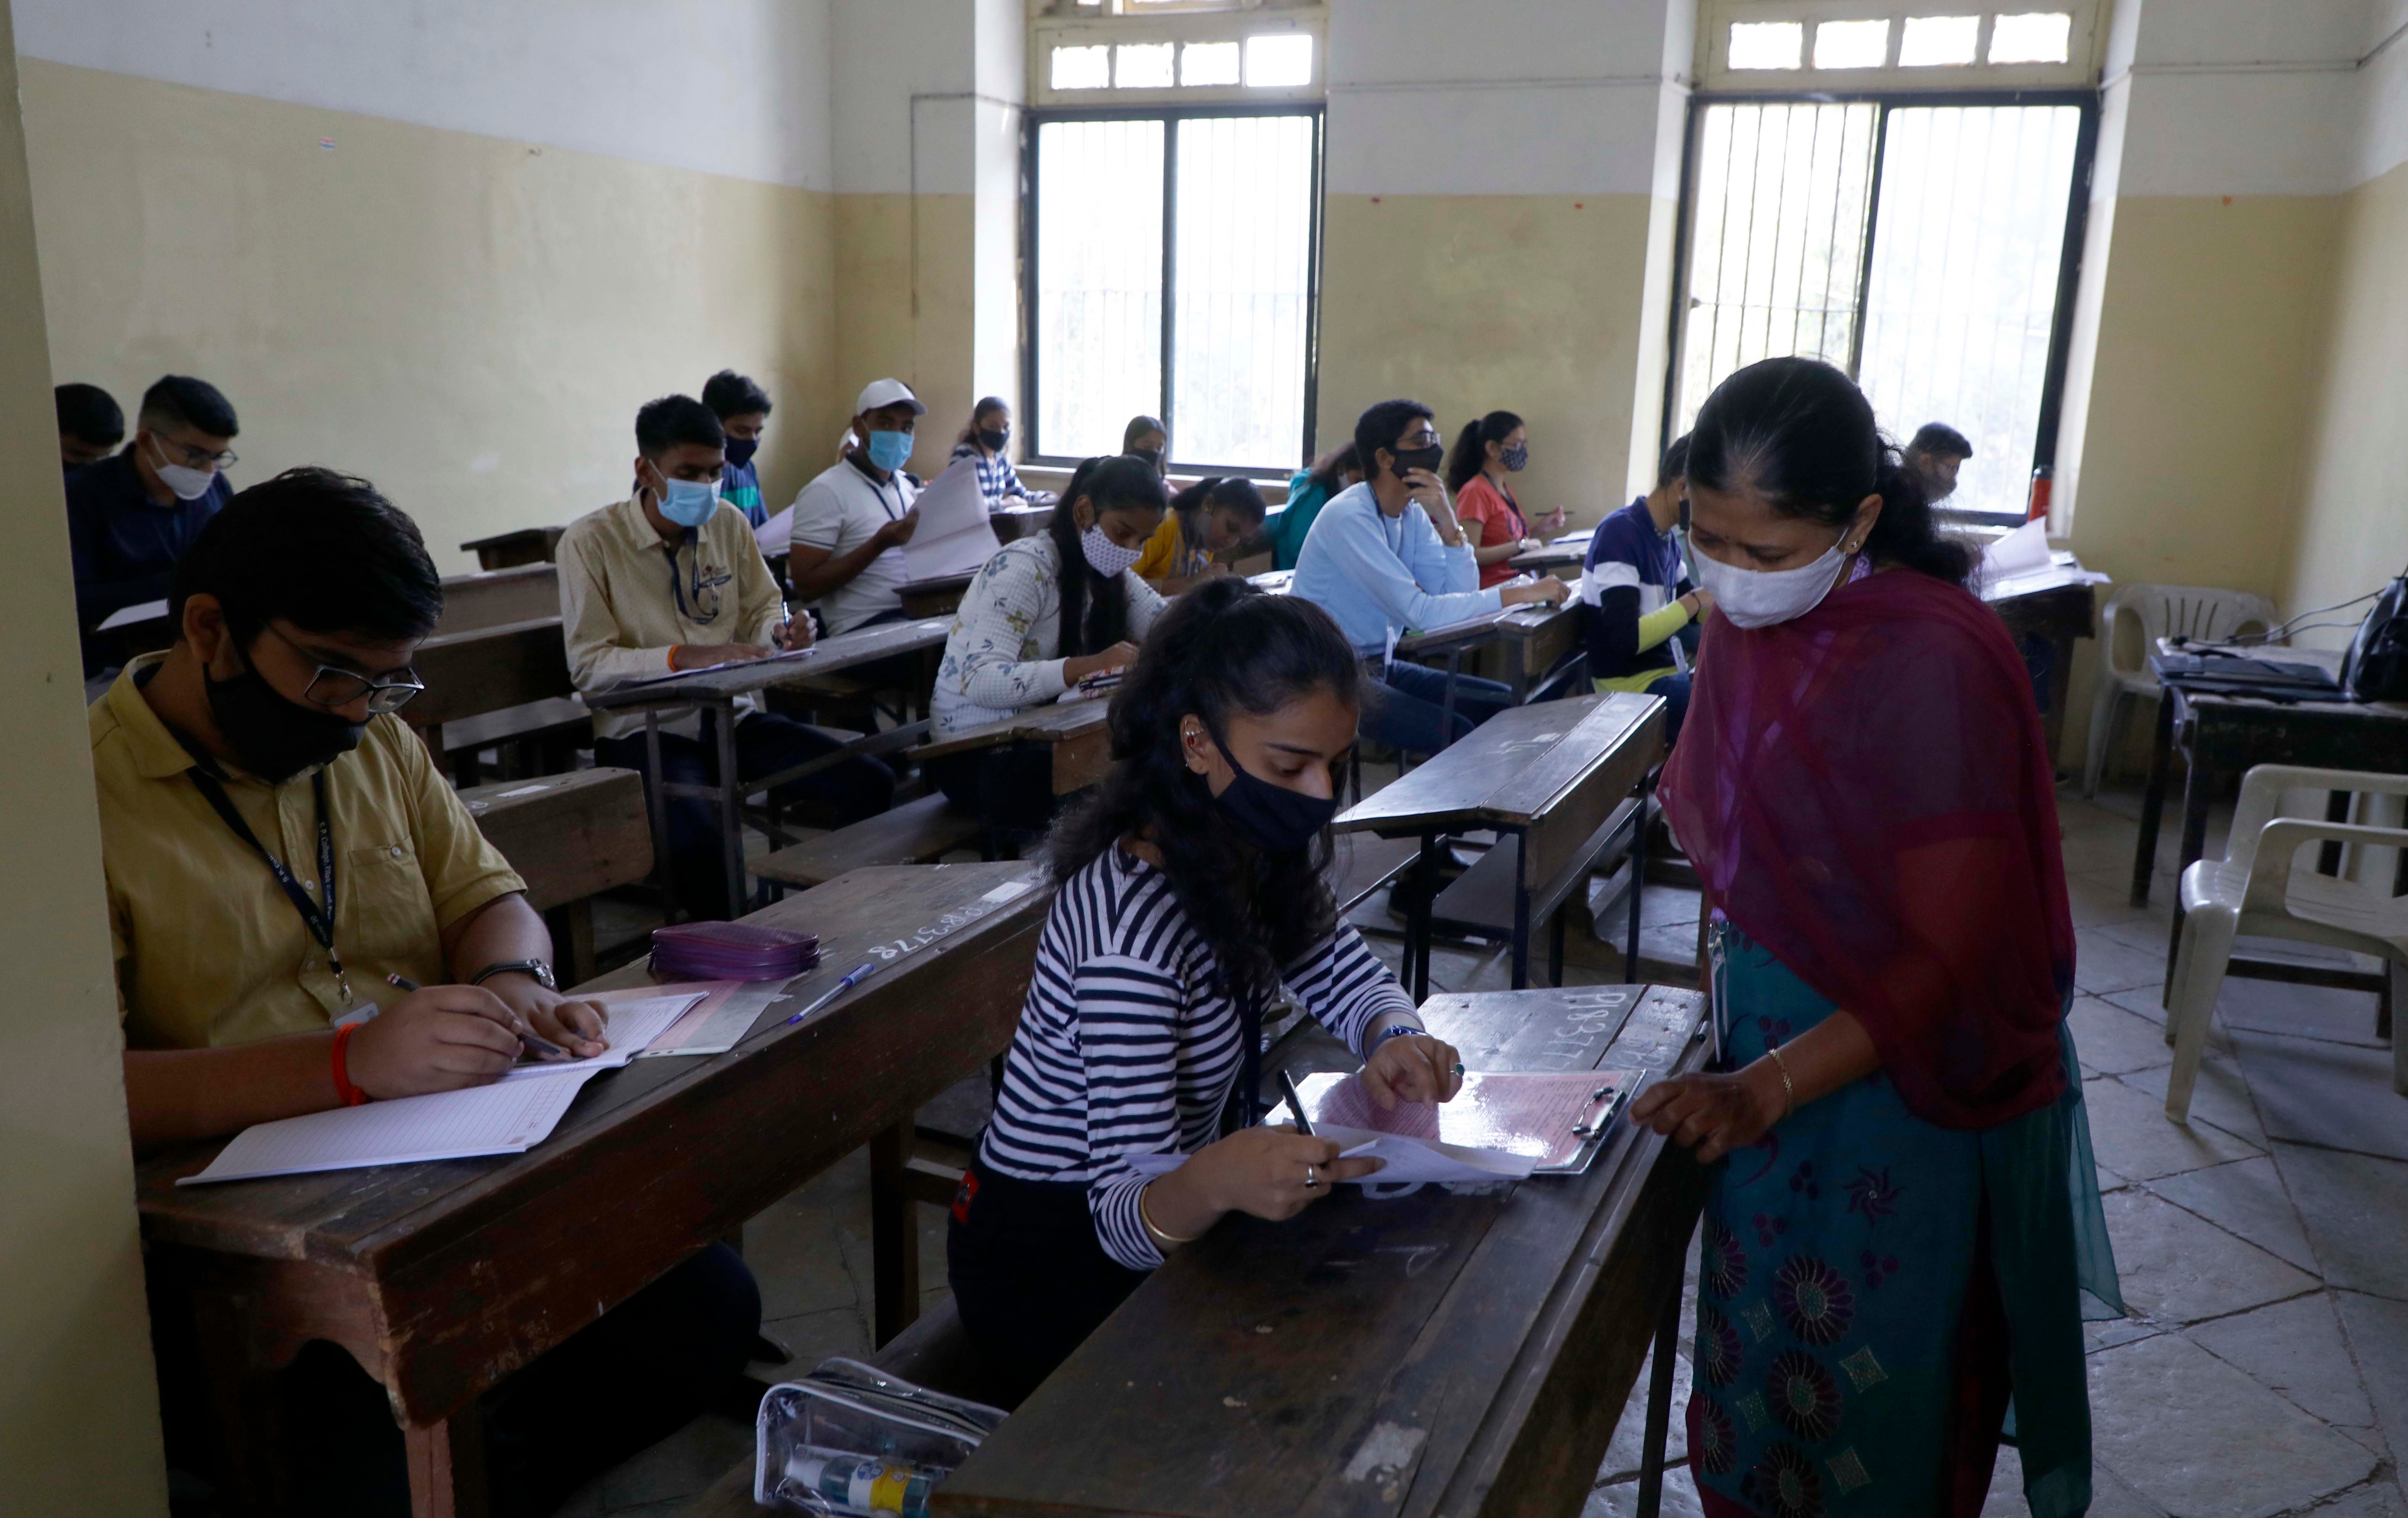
<point x="496" y="598"/>
<point x="1480" y="904"/>
<point x="512" y="679"/>
<point x="915" y="833"/>
<point x="508" y="550"/>
<point x="934" y="1353"/>
<point x="571" y="837"/>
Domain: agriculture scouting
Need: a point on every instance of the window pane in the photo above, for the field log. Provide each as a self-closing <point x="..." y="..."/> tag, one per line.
<point x="1099" y="332"/>
<point x="1082" y="69"/>
<point x="1244" y="281"/>
<point x="1143" y="65"/>
<point x="1279" y="60"/>
<point x="1776" y="238"/>
<point x="1767" y="44"/>
<point x="1208" y="62"/>
<point x="1965" y="260"/>
<point x="2037" y="38"/>
<point x="1938" y="40"/>
<point x="1852" y="44"/>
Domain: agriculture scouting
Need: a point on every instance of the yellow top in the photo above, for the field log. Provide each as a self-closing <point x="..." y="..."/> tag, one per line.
<point x="1167" y="553"/>
<point x="209" y="951"/>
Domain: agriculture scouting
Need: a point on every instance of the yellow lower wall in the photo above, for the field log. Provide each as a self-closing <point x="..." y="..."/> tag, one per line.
<point x="471" y="322"/>
<point x="78" y="1415"/>
<point x="2353" y="529"/>
<point x="1531" y="304"/>
<point x="904" y="307"/>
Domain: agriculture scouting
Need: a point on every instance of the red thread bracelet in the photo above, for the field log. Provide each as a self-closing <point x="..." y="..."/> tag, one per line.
<point x="352" y="1095"/>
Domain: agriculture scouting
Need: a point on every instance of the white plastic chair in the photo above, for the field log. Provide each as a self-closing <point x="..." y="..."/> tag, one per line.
<point x="2252" y="891"/>
<point x="2163" y="612"/>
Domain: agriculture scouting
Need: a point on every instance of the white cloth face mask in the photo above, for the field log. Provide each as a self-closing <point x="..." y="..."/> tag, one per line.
<point x="188" y="484"/>
<point x="1105" y="556"/>
<point x="1760" y="598"/>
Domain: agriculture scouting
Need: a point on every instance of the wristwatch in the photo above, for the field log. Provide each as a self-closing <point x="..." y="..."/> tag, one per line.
<point x="537" y="968"/>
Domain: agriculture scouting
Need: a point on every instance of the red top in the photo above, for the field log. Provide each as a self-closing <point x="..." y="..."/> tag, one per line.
<point x="1865" y="791"/>
<point x="1500" y="519"/>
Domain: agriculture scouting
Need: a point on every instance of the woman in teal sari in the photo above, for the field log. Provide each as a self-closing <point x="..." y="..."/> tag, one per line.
<point x="1904" y="1235"/>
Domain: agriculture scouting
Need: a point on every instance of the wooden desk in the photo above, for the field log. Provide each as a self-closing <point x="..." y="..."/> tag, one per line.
<point x="940" y="596"/>
<point x="508" y="550"/>
<point x="571" y="837"/>
<point x="1021" y="521"/>
<point x="2057" y="605"/>
<point x="442" y="1278"/>
<point x="1555" y="557"/>
<point x="1465" y="1355"/>
<point x="494" y="671"/>
<point x="1082" y="742"/>
<point x="1536" y="639"/>
<point x="717" y="691"/>
<point x="1551" y="777"/>
<point x="495" y="598"/>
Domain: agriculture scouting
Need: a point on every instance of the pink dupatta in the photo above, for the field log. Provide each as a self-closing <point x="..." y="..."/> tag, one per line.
<point x="1865" y="792"/>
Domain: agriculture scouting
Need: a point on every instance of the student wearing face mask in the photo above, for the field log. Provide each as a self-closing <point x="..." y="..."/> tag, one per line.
<point x="1044" y="615"/>
<point x="836" y="533"/>
<point x="743" y="412"/>
<point x="1146" y="438"/>
<point x="669" y="579"/>
<point x="1487" y="454"/>
<point x="274" y="844"/>
<point x="1638" y="599"/>
<point x="1865" y="791"/>
<point x="131" y="516"/>
<point x="1388" y="557"/>
<point x="1192" y="888"/>
<point x="983" y="441"/>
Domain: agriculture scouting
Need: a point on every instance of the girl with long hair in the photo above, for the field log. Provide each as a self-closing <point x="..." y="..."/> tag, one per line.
<point x="1209" y="526"/>
<point x="1908" y="1226"/>
<point x="1192" y="886"/>
<point x="1044" y="614"/>
<point x="1487" y="452"/>
<point x="983" y="442"/>
<point x="1308" y="490"/>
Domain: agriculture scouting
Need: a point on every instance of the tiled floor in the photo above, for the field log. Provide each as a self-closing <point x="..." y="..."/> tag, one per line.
<point x="2264" y="1370"/>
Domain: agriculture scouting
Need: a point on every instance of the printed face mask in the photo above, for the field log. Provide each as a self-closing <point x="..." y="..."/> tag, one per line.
<point x="890" y="451"/>
<point x="1760" y="598"/>
<point x="1518" y="458"/>
<point x="690" y="503"/>
<point x="1105" y="556"/>
<point x="1273" y="818"/>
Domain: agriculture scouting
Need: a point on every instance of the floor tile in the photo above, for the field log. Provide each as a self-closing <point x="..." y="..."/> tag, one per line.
<point x="2276" y="1006"/>
<point x="2104" y="963"/>
<point x="2134" y="1139"/>
<point x="1630" y="1445"/>
<point x="2376" y="1499"/>
<point x="2314" y="1093"/>
<point x="2110" y="1040"/>
<point x="1621" y="1499"/>
<point x="2176" y="1268"/>
<point x="814" y="1336"/>
<point x="2146" y="1003"/>
<point x="2219" y="1098"/>
<point x="2245" y="1197"/>
<point x="679" y="1465"/>
<point x="2294" y="1348"/>
<point x="2115" y="1331"/>
<point x="2377" y="1331"/>
<point x="2197" y="1438"/>
<point x="2353" y="1205"/>
<point x="2109" y="1497"/>
<point x="2095" y="897"/>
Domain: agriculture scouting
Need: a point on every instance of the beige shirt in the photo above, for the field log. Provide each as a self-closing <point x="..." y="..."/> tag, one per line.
<point x="209" y="951"/>
<point x="620" y="612"/>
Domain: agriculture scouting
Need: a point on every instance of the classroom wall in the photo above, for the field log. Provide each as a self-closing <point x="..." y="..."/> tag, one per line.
<point x="452" y="250"/>
<point x="1499" y="225"/>
<point x="79" y="1413"/>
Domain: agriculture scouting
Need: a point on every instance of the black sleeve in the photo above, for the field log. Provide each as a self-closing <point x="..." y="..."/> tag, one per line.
<point x="1613" y="632"/>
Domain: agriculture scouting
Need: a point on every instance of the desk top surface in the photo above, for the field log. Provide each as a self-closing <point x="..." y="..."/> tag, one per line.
<point x="863" y="645"/>
<point x="1052" y="722"/>
<point x="1555" y="555"/>
<point x="2240" y="705"/>
<point x="1370" y="1355"/>
<point x="373" y="1221"/>
<point x="1520" y="622"/>
<point x="1511" y="768"/>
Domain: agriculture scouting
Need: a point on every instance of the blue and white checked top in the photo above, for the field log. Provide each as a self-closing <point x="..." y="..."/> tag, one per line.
<point x="997" y="479"/>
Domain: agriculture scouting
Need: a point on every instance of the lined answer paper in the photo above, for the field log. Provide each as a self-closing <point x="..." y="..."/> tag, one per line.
<point x="508" y="1117"/>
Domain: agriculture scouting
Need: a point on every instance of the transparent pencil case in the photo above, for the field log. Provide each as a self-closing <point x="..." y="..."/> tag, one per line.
<point x="849" y="1442"/>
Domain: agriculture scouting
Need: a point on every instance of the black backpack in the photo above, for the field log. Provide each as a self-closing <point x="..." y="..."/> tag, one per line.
<point x="2376" y="669"/>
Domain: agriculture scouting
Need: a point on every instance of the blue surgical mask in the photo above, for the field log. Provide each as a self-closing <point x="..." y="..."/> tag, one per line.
<point x="890" y="451"/>
<point x="690" y="503"/>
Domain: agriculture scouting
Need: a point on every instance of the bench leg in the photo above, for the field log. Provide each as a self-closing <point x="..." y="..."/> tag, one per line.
<point x="446" y="1467"/>
<point x="1521" y="933"/>
<point x="894" y="1234"/>
<point x="2153" y="801"/>
<point x="572" y="940"/>
<point x="1659" y="1403"/>
<point x="1417" y="921"/>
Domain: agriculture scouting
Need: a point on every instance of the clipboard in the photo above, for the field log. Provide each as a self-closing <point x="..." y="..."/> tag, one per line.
<point x="1560" y="1121"/>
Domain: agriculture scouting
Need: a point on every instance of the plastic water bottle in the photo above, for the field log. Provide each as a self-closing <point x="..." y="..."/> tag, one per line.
<point x="863" y="1485"/>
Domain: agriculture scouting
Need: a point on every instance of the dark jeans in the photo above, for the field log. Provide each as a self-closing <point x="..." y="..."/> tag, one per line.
<point x="1029" y="1276"/>
<point x="1010" y="786"/>
<point x="1674" y="688"/>
<point x="616" y="1386"/>
<point x="1407" y="708"/>
<point x="766" y="743"/>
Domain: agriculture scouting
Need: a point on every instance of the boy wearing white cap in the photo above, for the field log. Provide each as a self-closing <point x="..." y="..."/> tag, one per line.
<point x="838" y="533"/>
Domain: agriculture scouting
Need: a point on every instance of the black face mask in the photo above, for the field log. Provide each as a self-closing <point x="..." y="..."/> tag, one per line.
<point x="1417" y="459"/>
<point x="1152" y="455"/>
<point x="1273" y="818"/>
<point x="276" y="739"/>
<point x="991" y="439"/>
<point x="740" y="450"/>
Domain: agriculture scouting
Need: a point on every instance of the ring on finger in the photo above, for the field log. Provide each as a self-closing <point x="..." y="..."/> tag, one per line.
<point x="1311" y="1178"/>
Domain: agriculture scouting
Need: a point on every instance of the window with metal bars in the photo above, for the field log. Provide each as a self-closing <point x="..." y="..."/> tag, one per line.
<point x="1927" y="245"/>
<point x="1172" y="271"/>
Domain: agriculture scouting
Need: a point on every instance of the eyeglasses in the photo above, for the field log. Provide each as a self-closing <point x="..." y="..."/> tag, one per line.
<point x="331" y="687"/>
<point x="196" y="457"/>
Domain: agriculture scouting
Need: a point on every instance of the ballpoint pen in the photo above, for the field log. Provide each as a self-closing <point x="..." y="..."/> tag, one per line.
<point x="1296" y="1103"/>
<point x="535" y="1042"/>
<point x="852" y="977"/>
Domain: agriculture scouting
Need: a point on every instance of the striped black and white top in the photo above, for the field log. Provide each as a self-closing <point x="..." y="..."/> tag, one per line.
<point x="1126" y="1046"/>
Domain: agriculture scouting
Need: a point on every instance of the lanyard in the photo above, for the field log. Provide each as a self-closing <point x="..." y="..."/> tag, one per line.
<point x="321" y="922"/>
<point x="677" y="583"/>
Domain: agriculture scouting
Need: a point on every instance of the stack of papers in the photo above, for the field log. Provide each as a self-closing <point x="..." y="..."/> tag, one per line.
<point x="954" y="536"/>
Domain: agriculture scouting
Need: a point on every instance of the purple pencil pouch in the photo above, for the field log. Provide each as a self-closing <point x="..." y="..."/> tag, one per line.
<point x="732" y="952"/>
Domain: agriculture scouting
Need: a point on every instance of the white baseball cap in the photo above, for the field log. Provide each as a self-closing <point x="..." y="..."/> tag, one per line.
<point x="882" y="393"/>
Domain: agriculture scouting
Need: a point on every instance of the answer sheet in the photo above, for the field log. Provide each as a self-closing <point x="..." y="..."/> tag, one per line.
<point x="508" y="1117"/>
<point x="954" y="536"/>
<point x="633" y="1027"/>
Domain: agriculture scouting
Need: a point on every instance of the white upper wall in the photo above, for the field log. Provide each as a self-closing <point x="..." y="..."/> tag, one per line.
<point x="1500" y="96"/>
<point x="734" y="87"/>
<point x="888" y="53"/>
